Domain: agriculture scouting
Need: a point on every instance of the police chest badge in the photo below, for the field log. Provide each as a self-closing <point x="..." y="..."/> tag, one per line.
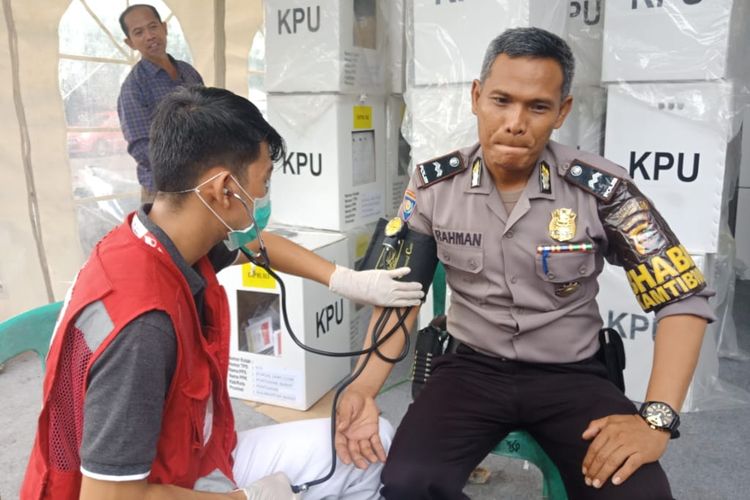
<point x="566" y="289"/>
<point x="562" y="227"/>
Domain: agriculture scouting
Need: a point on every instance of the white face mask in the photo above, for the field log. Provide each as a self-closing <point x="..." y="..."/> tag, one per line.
<point x="259" y="216"/>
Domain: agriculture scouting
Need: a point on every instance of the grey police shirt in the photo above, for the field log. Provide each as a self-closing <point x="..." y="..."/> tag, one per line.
<point x="509" y="300"/>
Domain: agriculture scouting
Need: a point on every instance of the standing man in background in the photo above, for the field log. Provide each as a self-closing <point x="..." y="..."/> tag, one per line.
<point x="151" y="79"/>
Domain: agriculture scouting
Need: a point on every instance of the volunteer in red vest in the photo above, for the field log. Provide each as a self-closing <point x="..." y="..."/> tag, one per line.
<point x="135" y="403"/>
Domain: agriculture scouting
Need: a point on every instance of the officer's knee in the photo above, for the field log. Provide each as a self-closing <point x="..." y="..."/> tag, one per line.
<point x="414" y="479"/>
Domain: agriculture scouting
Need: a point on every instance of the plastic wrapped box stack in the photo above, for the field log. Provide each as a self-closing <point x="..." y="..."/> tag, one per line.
<point x="326" y="83"/>
<point x="330" y="69"/>
<point x="676" y="90"/>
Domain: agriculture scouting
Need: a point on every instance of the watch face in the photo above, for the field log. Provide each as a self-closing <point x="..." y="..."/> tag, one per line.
<point x="659" y="415"/>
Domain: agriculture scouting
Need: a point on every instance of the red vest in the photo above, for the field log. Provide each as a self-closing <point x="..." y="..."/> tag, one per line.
<point x="131" y="275"/>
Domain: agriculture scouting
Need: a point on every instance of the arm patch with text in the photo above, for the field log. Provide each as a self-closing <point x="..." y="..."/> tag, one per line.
<point x="439" y="169"/>
<point x="660" y="270"/>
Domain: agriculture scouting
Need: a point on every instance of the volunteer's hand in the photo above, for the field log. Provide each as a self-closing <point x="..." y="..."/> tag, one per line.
<point x="376" y="287"/>
<point x="621" y="444"/>
<point x="357" y="430"/>
<point x="273" y="487"/>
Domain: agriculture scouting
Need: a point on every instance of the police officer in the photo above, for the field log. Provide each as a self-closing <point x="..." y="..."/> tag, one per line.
<point x="523" y="225"/>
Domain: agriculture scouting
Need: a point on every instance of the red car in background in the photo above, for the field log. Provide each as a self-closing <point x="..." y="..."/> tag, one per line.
<point x="103" y="139"/>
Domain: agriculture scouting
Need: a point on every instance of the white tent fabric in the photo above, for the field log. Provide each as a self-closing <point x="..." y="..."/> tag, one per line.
<point x="40" y="251"/>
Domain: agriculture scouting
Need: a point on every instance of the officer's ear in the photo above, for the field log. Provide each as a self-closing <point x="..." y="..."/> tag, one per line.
<point x="565" y="108"/>
<point x="476" y="89"/>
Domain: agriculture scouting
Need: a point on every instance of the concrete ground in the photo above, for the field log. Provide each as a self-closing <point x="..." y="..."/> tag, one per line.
<point x="710" y="461"/>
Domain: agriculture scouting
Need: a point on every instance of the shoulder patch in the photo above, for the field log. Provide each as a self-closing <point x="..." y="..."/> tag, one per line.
<point x="439" y="169"/>
<point x="591" y="179"/>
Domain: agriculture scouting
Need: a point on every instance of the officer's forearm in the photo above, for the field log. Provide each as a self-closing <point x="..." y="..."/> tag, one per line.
<point x="676" y="349"/>
<point x="291" y="258"/>
<point x="377" y="370"/>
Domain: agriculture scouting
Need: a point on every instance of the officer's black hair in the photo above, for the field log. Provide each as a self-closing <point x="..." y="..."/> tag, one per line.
<point x="131" y="9"/>
<point x="531" y="42"/>
<point x="196" y="128"/>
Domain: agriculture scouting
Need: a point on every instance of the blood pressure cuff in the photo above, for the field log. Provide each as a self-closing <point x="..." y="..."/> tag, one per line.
<point x="414" y="250"/>
<point x="659" y="269"/>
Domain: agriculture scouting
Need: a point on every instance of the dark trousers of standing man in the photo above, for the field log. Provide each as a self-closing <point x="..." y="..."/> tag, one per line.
<point x="472" y="401"/>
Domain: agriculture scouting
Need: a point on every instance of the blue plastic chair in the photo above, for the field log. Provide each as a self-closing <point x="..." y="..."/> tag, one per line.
<point x="517" y="444"/>
<point x="29" y="331"/>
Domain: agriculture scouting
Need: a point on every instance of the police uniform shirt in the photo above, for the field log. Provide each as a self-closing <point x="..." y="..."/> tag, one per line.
<point x="509" y="299"/>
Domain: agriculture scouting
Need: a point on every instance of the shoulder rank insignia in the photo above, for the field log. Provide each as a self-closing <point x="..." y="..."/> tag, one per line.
<point x="476" y="172"/>
<point x="545" y="178"/>
<point x="591" y="179"/>
<point x="440" y="169"/>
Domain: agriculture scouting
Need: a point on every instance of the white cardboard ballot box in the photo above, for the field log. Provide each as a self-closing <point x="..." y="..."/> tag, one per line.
<point x="265" y="364"/>
<point x="584" y="35"/>
<point x="395" y="46"/>
<point x="397" y="155"/>
<point x="676" y="140"/>
<point x="439" y="120"/>
<point x="620" y="311"/>
<point x="584" y="126"/>
<point x="357" y="241"/>
<point x="325" y="46"/>
<point x="333" y="174"/>
<point x="450" y="38"/>
<point x="671" y="40"/>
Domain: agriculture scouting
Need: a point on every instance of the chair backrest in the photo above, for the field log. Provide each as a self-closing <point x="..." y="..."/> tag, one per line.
<point x="29" y="331"/>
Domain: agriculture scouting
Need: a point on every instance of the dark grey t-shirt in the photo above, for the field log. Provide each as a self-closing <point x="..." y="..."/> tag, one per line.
<point x="128" y="383"/>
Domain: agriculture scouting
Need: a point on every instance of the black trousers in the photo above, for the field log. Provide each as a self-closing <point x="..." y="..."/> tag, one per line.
<point x="472" y="401"/>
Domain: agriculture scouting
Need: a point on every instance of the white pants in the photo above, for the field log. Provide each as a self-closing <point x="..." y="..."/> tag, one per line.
<point x="302" y="450"/>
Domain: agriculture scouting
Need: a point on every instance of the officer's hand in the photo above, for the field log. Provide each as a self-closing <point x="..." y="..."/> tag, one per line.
<point x="376" y="287"/>
<point x="621" y="444"/>
<point x="273" y="487"/>
<point x="357" y="435"/>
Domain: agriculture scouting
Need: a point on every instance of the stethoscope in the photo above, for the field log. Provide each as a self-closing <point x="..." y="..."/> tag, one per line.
<point x="261" y="259"/>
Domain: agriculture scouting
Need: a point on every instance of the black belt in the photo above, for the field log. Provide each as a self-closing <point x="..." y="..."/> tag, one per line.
<point x="455" y="346"/>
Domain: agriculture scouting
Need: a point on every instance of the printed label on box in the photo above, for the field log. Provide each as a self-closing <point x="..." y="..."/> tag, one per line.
<point x="371" y="205"/>
<point x="362" y="117"/>
<point x="277" y="383"/>
<point x="257" y="277"/>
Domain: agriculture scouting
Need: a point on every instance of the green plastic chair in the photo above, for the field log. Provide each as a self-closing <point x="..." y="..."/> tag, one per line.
<point x="520" y="444"/>
<point x="29" y="331"/>
<point x="517" y="444"/>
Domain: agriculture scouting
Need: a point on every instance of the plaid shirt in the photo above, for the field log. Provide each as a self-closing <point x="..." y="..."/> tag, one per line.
<point x="145" y="86"/>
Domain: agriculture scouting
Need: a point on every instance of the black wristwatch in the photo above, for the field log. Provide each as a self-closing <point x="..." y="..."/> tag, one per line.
<point x="659" y="415"/>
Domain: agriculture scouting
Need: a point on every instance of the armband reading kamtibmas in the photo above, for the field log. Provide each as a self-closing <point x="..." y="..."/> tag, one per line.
<point x="659" y="269"/>
<point x="393" y="245"/>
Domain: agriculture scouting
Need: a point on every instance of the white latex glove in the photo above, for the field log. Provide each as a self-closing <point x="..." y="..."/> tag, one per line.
<point x="376" y="287"/>
<point x="273" y="487"/>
